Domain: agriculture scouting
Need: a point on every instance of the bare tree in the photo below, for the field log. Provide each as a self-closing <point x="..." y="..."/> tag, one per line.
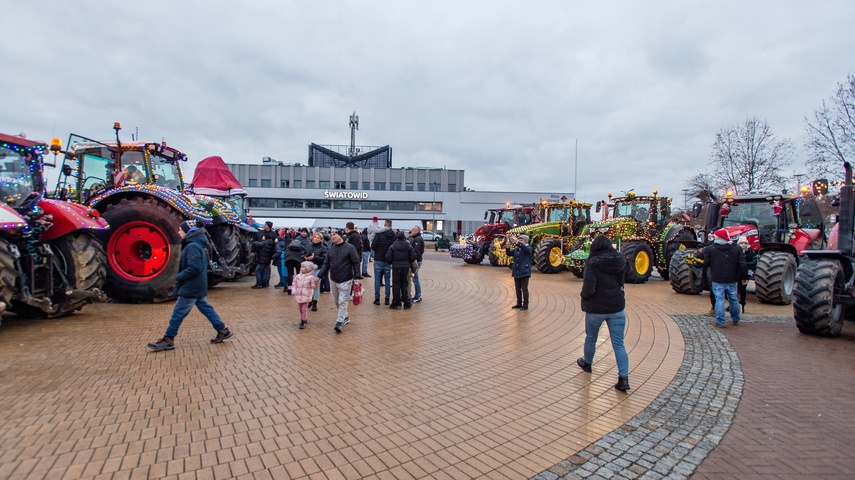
<point x="701" y="185"/>
<point x="831" y="132"/>
<point x="748" y="157"/>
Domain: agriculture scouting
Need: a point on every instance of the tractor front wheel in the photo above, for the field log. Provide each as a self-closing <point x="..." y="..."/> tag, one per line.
<point x="143" y="249"/>
<point x="640" y="258"/>
<point x="818" y="281"/>
<point x="684" y="277"/>
<point x="82" y="260"/>
<point x="671" y="247"/>
<point x="549" y="258"/>
<point x="8" y="273"/>
<point x="775" y="278"/>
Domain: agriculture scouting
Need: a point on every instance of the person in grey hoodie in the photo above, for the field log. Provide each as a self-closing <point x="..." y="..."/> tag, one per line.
<point x="603" y="300"/>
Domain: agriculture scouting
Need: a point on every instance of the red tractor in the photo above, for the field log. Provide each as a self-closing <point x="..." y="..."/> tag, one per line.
<point x="473" y="248"/>
<point x="778" y="227"/>
<point x="139" y="188"/>
<point x="51" y="263"/>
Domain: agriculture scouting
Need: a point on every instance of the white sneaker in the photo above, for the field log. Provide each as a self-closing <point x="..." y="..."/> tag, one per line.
<point x="346" y="321"/>
<point x="417" y="300"/>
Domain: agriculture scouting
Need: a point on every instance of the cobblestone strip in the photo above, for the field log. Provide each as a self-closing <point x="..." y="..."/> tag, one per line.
<point x="672" y="436"/>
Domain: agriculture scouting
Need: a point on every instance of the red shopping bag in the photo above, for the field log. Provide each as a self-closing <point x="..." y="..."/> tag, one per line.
<point x="357" y="292"/>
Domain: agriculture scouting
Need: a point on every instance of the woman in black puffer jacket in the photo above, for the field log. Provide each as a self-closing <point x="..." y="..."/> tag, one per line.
<point x="295" y="254"/>
<point x="603" y="301"/>
<point x="317" y="254"/>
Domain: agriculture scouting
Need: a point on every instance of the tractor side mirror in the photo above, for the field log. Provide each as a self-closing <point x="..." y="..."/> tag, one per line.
<point x="66" y="170"/>
<point x="696" y="209"/>
<point x="485" y="215"/>
<point x="599" y="206"/>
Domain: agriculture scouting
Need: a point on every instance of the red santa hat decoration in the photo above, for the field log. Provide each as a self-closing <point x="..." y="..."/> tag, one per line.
<point x="722" y="234"/>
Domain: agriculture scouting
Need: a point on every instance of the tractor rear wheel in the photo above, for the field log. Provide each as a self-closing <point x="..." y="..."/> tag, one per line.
<point x="671" y="247"/>
<point x="817" y="283"/>
<point x="549" y="258"/>
<point x="684" y="278"/>
<point x="640" y="258"/>
<point x="143" y="249"/>
<point x="227" y="242"/>
<point x="775" y="278"/>
<point x="8" y="274"/>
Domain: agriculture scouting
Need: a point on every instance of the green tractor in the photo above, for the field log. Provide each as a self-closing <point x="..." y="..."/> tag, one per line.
<point x="641" y="227"/>
<point x="551" y="238"/>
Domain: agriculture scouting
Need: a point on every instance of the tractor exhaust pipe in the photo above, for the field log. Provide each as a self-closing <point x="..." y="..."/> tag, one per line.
<point x="847" y="212"/>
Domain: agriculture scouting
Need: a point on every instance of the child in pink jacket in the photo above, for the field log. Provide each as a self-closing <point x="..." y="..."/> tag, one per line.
<point x="303" y="287"/>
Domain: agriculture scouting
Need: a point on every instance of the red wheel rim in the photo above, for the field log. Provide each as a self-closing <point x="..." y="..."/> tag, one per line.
<point x="138" y="251"/>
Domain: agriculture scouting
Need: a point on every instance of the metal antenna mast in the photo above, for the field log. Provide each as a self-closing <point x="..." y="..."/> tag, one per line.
<point x="354" y="126"/>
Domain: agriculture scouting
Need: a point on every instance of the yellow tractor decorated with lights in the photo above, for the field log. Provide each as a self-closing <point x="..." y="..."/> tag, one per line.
<point x="550" y="238"/>
<point x="641" y="228"/>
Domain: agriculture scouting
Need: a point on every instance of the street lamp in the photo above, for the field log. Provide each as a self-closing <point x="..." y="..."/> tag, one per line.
<point x="798" y="178"/>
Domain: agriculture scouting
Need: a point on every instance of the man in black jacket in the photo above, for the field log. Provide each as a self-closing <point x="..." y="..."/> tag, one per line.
<point x="726" y="264"/>
<point x="366" y="251"/>
<point x="418" y="243"/>
<point x="191" y="287"/>
<point x="401" y="256"/>
<point x="383" y="239"/>
<point x="343" y="265"/>
<point x="264" y="246"/>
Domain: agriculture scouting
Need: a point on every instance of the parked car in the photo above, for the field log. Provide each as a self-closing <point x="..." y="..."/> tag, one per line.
<point x="429" y="236"/>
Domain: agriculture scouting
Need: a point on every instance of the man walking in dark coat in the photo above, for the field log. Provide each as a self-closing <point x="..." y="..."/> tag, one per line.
<point x="343" y="266"/>
<point x="383" y="239"/>
<point x="726" y="264"/>
<point x="191" y="287"/>
<point x="418" y="243"/>
<point x="400" y="255"/>
<point x="264" y="246"/>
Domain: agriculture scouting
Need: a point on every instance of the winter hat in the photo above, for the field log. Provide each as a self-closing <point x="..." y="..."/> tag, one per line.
<point x="307" y="267"/>
<point x="400" y="236"/>
<point x="524" y="238"/>
<point x="187" y="225"/>
<point x="374" y="219"/>
<point x="721" y="236"/>
<point x="269" y="223"/>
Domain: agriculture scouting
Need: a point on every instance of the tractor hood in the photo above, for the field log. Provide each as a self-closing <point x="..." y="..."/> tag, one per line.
<point x="9" y="218"/>
<point x="552" y="228"/>
<point x="490" y="229"/>
<point x="735" y="231"/>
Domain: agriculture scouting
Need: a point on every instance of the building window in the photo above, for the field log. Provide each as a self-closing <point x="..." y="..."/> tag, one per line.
<point x="318" y="204"/>
<point x="289" y="204"/>
<point x="409" y="187"/>
<point x="310" y="184"/>
<point x="395" y="186"/>
<point x="452" y="187"/>
<point x="403" y="206"/>
<point x="262" y="203"/>
<point x="284" y="183"/>
<point x="325" y="184"/>
<point x="366" y="185"/>
<point x="434" y="187"/>
<point x="421" y="187"/>
<point x="340" y="185"/>
<point x="429" y="206"/>
<point x="298" y="184"/>
<point x="266" y="183"/>
<point x="374" y="206"/>
<point x="346" y="205"/>
<point x="252" y="183"/>
<point x="379" y="185"/>
<point x="354" y="185"/>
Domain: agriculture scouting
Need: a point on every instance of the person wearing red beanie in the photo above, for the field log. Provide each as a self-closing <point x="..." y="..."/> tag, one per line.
<point x="726" y="264"/>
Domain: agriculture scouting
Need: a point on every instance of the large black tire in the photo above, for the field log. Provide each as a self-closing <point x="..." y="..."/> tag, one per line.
<point x="477" y="258"/>
<point x="672" y="246"/>
<point x="684" y="278"/>
<point x="8" y="274"/>
<point x="775" y="278"/>
<point x="640" y="257"/>
<point x="226" y="239"/>
<point x="549" y="257"/>
<point x="493" y="254"/>
<point x="817" y="282"/>
<point x="81" y="258"/>
<point x="143" y="249"/>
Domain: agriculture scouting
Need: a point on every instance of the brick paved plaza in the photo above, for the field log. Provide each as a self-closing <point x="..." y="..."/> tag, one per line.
<point x="460" y="386"/>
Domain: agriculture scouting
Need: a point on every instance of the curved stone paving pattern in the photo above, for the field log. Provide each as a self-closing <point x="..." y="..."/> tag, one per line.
<point x="458" y="387"/>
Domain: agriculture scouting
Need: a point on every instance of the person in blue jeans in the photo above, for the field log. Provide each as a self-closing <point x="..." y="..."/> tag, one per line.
<point x="383" y="239"/>
<point x="191" y="287"/>
<point x="603" y="300"/>
<point x="418" y="244"/>
<point x="726" y="264"/>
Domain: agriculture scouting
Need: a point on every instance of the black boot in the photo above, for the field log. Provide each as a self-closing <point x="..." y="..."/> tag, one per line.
<point x="314" y="305"/>
<point x="622" y="384"/>
<point x="585" y="366"/>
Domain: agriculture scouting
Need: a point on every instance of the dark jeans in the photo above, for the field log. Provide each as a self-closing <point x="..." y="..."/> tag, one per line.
<point x="262" y="274"/>
<point x="292" y="269"/>
<point x="399" y="286"/>
<point x="182" y="308"/>
<point x="521" y="286"/>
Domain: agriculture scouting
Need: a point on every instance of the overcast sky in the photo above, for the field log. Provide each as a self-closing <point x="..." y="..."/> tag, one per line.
<point x="500" y="89"/>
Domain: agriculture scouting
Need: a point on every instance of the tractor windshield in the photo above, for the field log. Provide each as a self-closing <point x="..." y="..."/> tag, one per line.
<point x="558" y="215"/>
<point x="166" y="173"/>
<point x="237" y="203"/>
<point x="16" y="181"/>
<point x="760" y="213"/>
<point x="636" y="209"/>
